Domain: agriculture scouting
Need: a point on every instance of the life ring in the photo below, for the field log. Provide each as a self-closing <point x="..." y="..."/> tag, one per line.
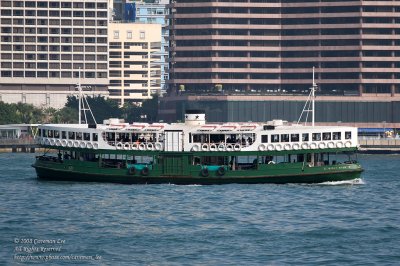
<point x="261" y="147"/>
<point x="339" y="144"/>
<point x="271" y="162"/>
<point x="119" y="146"/>
<point x="221" y="171"/>
<point x="127" y="146"/>
<point x="221" y="147"/>
<point x="347" y="144"/>
<point x="237" y="147"/>
<point x="270" y="147"/>
<point x="278" y="147"/>
<point x="132" y="170"/>
<point x="64" y="143"/>
<point x="204" y="172"/>
<point x="331" y="145"/>
<point x="204" y="147"/>
<point x="76" y="144"/>
<point x="195" y="147"/>
<point x="296" y="146"/>
<point x="82" y="145"/>
<point x="322" y="145"/>
<point x="313" y="146"/>
<point x="213" y="147"/>
<point x="149" y="146"/>
<point x="95" y="145"/>
<point x="135" y="146"/>
<point x="70" y="143"/>
<point x="229" y="147"/>
<point x="52" y="142"/>
<point x="58" y="142"/>
<point x="158" y="146"/>
<point x="89" y="145"/>
<point x="142" y="146"/>
<point x="304" y="146"/>
<point x="145" y="171"/>
<point x="287" y="147"/>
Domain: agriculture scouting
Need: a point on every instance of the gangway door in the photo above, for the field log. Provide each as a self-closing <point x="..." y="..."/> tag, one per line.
<point x="173" y="140"/>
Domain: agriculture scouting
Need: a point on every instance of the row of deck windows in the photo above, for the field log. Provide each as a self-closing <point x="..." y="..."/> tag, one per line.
<point x="112" y="137"/>
<point x="305" y="137"/>
<point x="70" y="135"/>
<point x="247" y="139"/>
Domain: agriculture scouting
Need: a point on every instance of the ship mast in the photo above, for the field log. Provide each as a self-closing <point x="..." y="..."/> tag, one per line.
<point x="83" y="104"/>
<point x="313" y="89"/>
<point x="309" y="106"/>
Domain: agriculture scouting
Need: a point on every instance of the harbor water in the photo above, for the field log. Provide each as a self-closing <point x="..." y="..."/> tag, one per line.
<point x="67" y="223"/>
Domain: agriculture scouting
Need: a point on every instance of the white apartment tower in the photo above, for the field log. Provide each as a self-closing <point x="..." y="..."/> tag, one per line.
<point x="134" y="50"/>
<point x="45" y="44"/>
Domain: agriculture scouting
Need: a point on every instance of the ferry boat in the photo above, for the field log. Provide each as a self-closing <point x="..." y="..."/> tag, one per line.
<point x="197" y="152"/>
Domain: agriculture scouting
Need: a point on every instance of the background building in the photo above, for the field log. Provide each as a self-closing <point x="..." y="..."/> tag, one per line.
<point x="255" y="46"/>
<point x="45" y="43"/>
<point x="266" y="49"/>
<point x="155" y="12"/>
<point x="149" y="12"/>
<point x="133" y="50"/>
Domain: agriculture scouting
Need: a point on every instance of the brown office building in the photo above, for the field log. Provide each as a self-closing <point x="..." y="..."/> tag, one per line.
<point x="263" y="48"/>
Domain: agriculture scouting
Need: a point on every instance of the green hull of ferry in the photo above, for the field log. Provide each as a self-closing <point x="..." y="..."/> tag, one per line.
<point x="179" y="168"/>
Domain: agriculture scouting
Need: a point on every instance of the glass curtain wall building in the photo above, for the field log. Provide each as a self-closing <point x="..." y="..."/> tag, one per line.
<point x="155" y="12"/>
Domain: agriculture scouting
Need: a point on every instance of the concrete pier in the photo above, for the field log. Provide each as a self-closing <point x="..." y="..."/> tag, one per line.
<point x="380" y="146"/>
<point x="28" y="145"/>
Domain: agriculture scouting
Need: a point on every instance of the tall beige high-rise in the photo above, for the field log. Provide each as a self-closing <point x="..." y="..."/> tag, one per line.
<point x="44" y="45"/>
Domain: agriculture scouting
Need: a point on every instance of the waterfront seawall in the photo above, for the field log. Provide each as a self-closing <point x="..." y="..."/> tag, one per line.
<point x="384" y="145"/>
<point x="19" y="145"/>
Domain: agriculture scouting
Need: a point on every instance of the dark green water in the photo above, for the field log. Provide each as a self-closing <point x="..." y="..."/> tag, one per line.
<point x="68" y="223"/>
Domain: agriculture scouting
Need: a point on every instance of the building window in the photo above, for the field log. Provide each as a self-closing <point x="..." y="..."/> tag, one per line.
<point x="142" y="35"/>
<point x="129" y="35"/>
<point x="116" y="34"/>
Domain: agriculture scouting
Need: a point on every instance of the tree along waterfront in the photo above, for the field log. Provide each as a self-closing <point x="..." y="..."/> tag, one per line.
<point x="21" y="113"/>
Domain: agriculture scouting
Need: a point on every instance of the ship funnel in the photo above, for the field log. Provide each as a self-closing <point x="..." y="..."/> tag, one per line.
<point x="195" y="117"/>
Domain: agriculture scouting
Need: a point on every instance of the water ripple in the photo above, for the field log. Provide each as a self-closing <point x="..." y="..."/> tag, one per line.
<point x="334" y="223"/>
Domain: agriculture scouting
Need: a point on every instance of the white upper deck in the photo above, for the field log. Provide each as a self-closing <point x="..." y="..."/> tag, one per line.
<point x="196" y="135"/>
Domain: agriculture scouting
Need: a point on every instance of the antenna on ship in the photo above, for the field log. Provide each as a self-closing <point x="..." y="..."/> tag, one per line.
<point x="309" y="106"/>
<point x="83" y="103"/>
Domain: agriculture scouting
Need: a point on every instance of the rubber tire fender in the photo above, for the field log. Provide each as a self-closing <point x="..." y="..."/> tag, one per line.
<point x="221" y="171"/>
<point x="204" y="172"/>
<point x="145" y="171"/>
<point x="132" y="170"/>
